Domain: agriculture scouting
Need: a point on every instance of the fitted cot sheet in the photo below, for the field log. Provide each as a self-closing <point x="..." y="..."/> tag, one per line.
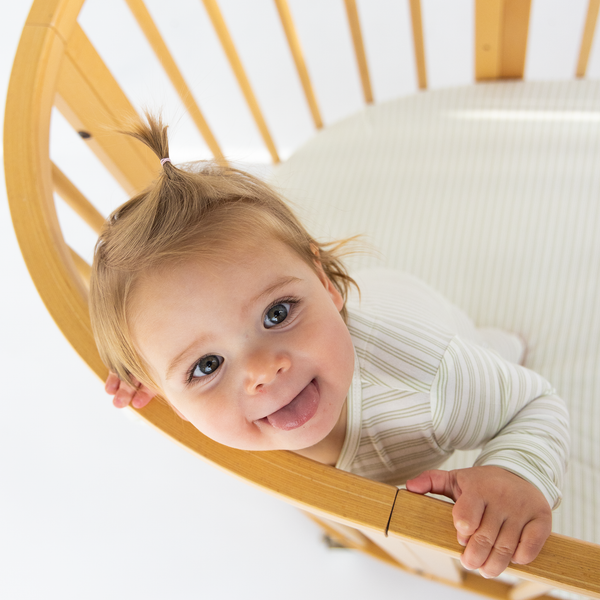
<point x="491" y="194"/>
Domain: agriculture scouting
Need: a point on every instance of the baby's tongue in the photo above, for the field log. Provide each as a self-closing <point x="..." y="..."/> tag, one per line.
<point x="300" y="410"/>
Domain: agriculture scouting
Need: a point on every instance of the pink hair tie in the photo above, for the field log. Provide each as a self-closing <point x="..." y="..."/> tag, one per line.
<point x="164" y="160"/>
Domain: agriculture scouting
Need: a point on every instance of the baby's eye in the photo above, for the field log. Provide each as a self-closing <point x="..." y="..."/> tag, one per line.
<point x="277" y="314"/>
<point x="206" y="366"/>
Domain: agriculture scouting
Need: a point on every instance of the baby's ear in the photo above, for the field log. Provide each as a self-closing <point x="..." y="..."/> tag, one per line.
<point x="334" y="293"/>
<point x="315" y="250"/>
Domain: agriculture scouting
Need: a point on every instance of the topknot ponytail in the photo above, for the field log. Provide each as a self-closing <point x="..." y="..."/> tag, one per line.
<point x="153" y="134"/>
<point x="193" y="209"/>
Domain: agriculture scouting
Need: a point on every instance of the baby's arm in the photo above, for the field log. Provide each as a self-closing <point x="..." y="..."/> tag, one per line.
<point x="481" y="400"/>
<point x="124" y="394"/>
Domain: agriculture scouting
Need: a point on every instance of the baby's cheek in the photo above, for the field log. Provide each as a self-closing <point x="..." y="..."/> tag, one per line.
<point x="337" y="356"/>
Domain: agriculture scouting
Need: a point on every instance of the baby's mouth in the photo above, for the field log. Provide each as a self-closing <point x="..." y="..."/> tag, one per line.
<point x="299" y="411"/>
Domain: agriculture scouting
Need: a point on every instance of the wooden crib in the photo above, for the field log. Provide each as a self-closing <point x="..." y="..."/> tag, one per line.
<point x="57" y="66"/>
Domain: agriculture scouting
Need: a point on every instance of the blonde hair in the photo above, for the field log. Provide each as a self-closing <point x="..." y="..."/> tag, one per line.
<point x="186" y="212"/>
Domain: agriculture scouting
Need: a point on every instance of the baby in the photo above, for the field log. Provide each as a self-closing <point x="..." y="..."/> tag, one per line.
<point x="207" y="290"/>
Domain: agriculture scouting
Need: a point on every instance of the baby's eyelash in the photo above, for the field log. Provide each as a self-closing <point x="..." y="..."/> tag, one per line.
<point x="189" y="376"/>
<point x="292" y="300"/>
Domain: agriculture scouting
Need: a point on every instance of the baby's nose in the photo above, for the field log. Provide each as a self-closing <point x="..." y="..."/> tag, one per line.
<point x="263" y="367"/>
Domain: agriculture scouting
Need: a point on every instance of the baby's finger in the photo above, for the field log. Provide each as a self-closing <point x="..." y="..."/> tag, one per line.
<point x="124" y="395"/>
<point x="481" y="541"/>
<point x="502" y="551"/>
<point x="142" y="397"/>
<point x="533" y="537"/>
<point x="112" y="383"/>
<point x="467" y="515"/>
<point x="433" y="481"/>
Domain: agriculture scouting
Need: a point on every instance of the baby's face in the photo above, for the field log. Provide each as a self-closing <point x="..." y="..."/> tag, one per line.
<point x="251" y="350"/>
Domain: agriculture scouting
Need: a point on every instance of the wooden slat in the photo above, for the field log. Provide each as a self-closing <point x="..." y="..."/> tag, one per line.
<point x="399" y="550"/>
<point x="419" y="45"/>
<point x="492" y="588"/>
<point x="588" y="37"/>
<point x="501" y="32"/>
<point x="142" y="16"/>
<point x="513" y="44"/>
<point x="527" y="590"/>
<point x="294" y="43"/>
<point x="76" y="200"/>
<point x="214" y="12"/>
<point x="83" y="268"/>
<point x="364" y="544"/>
<point x="488" y="37"/>
<point x="359" y="49"/>
<point x="91" y="100"/>
<point x="563" y="562"/>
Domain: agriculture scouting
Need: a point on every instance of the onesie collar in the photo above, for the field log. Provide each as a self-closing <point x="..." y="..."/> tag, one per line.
<point x="353" y="420"/>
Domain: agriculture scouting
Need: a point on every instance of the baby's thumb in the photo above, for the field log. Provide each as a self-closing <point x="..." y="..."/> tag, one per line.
<point x="434" y="482"/>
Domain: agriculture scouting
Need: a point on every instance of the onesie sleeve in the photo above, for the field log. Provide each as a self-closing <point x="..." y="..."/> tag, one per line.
<point x="480" y="400"/>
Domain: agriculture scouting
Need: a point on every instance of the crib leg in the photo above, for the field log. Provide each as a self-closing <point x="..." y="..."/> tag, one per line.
<point x="528" y="589"/>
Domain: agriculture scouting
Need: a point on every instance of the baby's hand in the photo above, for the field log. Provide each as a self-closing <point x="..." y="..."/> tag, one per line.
<point x="498" y="516"/>
<point x="124" y="394"/>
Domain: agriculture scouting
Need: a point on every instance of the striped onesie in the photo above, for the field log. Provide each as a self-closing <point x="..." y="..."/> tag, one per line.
<point x="427" y="382"/>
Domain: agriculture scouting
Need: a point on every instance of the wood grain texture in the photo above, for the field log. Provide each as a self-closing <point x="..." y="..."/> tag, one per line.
<point x="294" y="43"/>
<point x="587" y="37"/>
<point x="563" y="562"/>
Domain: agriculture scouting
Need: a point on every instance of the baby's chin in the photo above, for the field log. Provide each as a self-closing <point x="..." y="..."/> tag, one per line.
<point x="294" y="441"/>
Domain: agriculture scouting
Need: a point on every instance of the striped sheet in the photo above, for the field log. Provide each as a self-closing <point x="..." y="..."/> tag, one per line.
<point x="496" y="208"/>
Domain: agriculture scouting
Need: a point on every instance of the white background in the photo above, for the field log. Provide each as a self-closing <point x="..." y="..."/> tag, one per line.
<point x="94" y="505"/>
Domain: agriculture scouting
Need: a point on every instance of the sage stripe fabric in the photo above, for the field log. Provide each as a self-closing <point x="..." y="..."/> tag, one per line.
<point x="490" y="194"/>
<point x="427" y="383"/>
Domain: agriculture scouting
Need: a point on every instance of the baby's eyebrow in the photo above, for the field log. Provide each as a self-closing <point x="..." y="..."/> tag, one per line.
<point x="276" y="285"/>
<point x="182" y="356"/>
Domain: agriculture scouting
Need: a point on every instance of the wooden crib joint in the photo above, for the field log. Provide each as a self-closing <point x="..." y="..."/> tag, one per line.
<point x="564" y="562"/>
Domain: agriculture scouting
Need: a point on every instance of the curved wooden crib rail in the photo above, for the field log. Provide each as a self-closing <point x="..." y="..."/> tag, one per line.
<point x="56" y="65"/>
